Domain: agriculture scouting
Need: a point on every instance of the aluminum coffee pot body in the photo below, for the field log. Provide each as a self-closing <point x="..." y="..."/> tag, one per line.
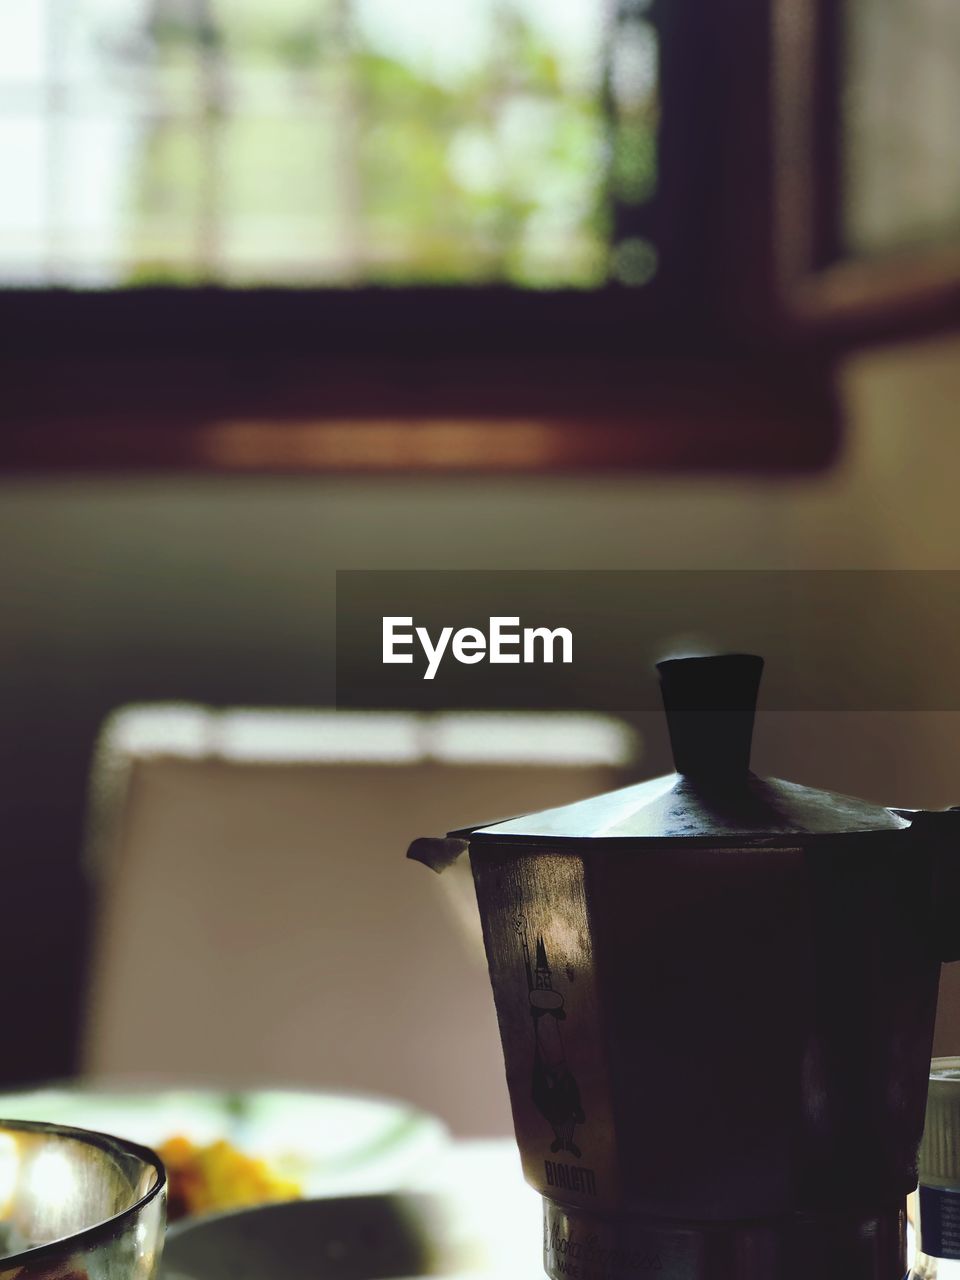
<point x="716" y="995"/>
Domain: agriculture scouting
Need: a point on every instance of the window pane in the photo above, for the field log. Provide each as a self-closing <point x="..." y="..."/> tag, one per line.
<point x="324" y="142"/>
<point x="901" y="167"/>
<point x="24" y="232"/>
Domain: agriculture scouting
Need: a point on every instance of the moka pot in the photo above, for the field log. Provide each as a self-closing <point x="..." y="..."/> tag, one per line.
<point x="716" y="996"/>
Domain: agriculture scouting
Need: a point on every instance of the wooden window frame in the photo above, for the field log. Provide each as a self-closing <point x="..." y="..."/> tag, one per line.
<point x="693" y="371"/>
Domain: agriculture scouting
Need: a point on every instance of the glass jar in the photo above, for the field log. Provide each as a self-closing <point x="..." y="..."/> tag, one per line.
<point x="938" y="1196"/>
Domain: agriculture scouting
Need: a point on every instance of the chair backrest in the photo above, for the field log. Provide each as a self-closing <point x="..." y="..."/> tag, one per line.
<point x="258" y="921"/>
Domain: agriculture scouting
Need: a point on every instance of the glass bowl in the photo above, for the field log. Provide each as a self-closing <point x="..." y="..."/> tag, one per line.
<point x="76" y="1205"/>
<point x="372" y="1237"/>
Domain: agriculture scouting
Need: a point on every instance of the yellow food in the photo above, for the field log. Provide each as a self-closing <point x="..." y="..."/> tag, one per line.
<point x="218" y="1176"/>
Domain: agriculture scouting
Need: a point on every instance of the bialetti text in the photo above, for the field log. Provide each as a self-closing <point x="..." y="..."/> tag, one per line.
<point x="570" y="1176"/>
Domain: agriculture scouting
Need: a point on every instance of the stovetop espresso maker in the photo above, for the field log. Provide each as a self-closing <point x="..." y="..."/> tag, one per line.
<point x="716" y="995"/>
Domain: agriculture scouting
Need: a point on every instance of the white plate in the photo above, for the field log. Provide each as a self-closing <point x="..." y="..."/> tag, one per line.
<point x="332" y="1144"/>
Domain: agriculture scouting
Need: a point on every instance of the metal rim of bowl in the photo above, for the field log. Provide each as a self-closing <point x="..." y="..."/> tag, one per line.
<point x="98" y="1232"/>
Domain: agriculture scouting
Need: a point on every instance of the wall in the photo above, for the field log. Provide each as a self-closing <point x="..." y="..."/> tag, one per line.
<point x="221" y="590"/>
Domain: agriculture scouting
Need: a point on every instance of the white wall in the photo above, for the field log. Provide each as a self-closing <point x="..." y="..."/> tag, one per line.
<point x="221" y="589"/>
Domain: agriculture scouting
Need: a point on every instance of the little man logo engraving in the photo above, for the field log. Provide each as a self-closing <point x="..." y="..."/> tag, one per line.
<point x="555" y="1091"/>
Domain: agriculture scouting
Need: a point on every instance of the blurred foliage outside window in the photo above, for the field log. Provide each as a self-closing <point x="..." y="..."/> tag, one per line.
<point x="325" y="142"/>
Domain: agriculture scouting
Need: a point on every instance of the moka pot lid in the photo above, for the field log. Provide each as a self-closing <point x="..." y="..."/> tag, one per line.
<point x="713" y="796"/>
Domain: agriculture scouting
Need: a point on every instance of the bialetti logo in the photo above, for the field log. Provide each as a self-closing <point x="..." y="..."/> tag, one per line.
<point x="571" y="1177"/>
<point x="504" y="641"/>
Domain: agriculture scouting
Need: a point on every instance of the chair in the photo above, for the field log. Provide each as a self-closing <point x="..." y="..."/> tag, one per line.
<point x="258" y="922"/>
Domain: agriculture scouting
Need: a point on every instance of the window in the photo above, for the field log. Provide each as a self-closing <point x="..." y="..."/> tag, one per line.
<point x="901" y="108"/>
<point x="431" y="235"/>
<point x="869" y="187"/>
<point x="327" y="143"/>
